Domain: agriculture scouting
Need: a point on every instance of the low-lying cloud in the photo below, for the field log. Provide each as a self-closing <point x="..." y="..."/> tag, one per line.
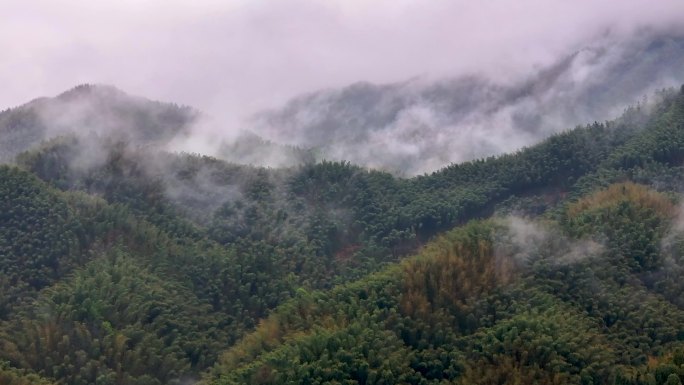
<point x="528" y="241"/>
<point x="487" y="77"/>
<point x="235" y="57"/>
<point x="421" y="125"/>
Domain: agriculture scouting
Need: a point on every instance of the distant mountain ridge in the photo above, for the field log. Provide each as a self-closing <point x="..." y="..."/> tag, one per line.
<point x="407" y="128"/>
<point x="91" y="110"/>
<point x="418" y="126"/>
<point x="124" y="265"/>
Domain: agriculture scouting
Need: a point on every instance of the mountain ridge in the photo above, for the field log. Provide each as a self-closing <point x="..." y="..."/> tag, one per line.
<point x="417" y="126"/>
<point x="246" y="254"/>
<point x="99" y="110"/>
<point x="124" y="263"/>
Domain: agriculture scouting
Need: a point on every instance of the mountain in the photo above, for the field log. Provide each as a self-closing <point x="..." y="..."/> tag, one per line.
<point x="406" y="128"/>
<point x="559" y="263"/>
<point x="421" y="125"/>
<point x="588" y="292"/>
<point x="91" y="110"/>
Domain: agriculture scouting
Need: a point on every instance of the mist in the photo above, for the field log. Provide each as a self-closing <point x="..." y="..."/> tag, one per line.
<point x="405" y="86"/>
<point x="528" y="241"/>
<point x="421" y="125"/>
<point x="90" y="112"/>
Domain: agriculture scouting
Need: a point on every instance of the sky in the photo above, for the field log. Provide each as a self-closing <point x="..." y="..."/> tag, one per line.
<point x="232" y="58"/>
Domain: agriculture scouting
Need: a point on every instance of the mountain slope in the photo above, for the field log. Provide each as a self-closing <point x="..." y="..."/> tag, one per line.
<point x="594" y="296"/>
<point x="492" y="302"/>
<point x="172" y="259"/>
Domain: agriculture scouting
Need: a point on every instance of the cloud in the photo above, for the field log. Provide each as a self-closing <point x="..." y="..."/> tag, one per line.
<point x="672" y="242"/>
<point x="232" y="59"/>
<point x="528" y="241"/>
<point x="420" y="125"/>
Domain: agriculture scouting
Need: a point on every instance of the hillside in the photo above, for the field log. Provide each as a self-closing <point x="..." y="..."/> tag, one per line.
<point x="589" y="293"/>
<point x="559" y="263"/>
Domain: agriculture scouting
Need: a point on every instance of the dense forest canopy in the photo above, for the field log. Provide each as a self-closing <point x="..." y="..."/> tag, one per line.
<point x="122" y="263"/>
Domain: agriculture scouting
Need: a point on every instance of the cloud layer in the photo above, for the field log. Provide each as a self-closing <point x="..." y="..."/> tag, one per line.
<point x="232" y="59"/>
<point x="421" y="125"/>
<point x="235" y="57"/>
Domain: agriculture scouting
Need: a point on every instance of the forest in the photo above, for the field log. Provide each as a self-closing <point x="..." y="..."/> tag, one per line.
<point x="561" y="263"/>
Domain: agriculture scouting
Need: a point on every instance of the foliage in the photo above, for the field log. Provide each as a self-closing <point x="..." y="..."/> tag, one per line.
<point x="123" y="265"/>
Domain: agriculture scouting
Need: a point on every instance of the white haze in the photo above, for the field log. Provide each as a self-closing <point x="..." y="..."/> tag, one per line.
<point x="421" y="125"/>
<point x="672" y="243"/>
<point x="244" y="55"/>
<point x="533" y="240"/>
<point x="235" y="59"/>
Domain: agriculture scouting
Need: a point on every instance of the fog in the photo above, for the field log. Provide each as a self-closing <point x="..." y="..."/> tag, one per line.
<point x="527" y="242"/>
<point x="240" y="56"/>
<point x="458" y="79"/>
<point x="421" y="125"/>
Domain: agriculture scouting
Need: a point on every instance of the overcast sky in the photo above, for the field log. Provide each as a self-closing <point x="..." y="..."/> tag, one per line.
<point x="234" y="57"/>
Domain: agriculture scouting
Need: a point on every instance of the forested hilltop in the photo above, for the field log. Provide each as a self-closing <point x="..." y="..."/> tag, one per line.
<point x="560" y="263"/>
